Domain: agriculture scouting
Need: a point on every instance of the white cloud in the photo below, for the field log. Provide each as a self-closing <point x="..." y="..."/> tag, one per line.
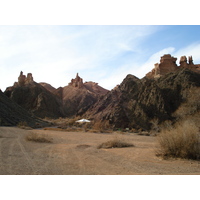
<point x="142" y="70"/>
<point x="50" y="52"/>
<point x="134" y="68"/>
<point x="117" y="76"/>
<point x="54" y="54"/>
<point x="191" y="50"/>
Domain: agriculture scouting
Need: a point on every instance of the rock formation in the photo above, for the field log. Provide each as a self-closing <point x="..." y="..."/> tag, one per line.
<point x="48" y="87"/>
<point x="137" y="102"/>
<point x="45" y="101"/>
<point x="190" y="60"/>
<point x="77" y="82"/>
<point x="78" y="97"/>
<point x="168" y="64"/>
<point x="23" y="80"/>
<point x="132" y="104"/>
<point x="183" y="61"/>
<point x="34" y="97"/>
<point x="11" y="114"/>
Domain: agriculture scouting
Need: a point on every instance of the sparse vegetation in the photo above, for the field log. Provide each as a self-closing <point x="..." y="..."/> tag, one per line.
<point x="183" y="141"/>
<point x="101" y="126"/>
<point x="191" y="106"/>
<point x="42" y="138"/>
<point x="115" y="143"/>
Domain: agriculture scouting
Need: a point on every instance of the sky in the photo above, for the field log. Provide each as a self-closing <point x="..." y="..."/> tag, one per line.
<point x="100" y="53"/>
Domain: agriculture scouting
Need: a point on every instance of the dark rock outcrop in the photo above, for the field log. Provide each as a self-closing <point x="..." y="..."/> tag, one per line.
<point x="11" y="114"/>
<point x="136" y="102"/>
<point x="43" y="100"/>
<point x="34" y="97"/>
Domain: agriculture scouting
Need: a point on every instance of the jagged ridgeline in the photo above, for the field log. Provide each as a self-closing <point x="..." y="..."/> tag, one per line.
<point x="135" y="103"/>
<point x="43" y="100"/>
<point x="138" y="103"/>
<point x="168" y="64"/>
<point x="34" y="97"/>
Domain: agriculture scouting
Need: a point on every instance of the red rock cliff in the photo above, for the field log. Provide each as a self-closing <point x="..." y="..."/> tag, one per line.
<point x="168" y="64"/>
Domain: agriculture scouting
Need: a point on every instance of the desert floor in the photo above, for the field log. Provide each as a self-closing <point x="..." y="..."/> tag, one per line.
<point x="76" y="153"/>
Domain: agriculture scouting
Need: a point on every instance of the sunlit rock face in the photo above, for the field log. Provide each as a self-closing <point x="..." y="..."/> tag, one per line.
<point x="168" y="64"/>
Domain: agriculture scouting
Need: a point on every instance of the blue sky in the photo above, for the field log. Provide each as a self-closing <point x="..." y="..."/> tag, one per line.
<point x="103" y="54"/>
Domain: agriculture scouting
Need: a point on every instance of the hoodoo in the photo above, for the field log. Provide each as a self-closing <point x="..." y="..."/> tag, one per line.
<point x="168" y="64"/>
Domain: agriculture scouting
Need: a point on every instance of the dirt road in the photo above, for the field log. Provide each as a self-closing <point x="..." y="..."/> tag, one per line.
<point x="76" y="153"/>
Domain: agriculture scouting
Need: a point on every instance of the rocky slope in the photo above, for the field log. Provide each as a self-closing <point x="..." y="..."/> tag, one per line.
<point x="34" y="97"/>
<point x="43" y="100"/>
<point x="136" y="103"/>
<point x="48" y="87"/>
<point x="78" y="97"/>
<point x="11" y="114"/>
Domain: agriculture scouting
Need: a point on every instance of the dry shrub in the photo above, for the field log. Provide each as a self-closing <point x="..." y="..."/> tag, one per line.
<point x="166" y="125"/>
<point x="183" y="141"/>
<point x="71" y="122"/>
<point x="101" y="126"/>
<point x="42" y="138"/>
<point x="115" y="143"/>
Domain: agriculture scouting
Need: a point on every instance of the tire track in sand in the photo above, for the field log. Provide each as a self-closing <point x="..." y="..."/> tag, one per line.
<point x="2" y="167"/>
<point x="30" y="162"/>
<point x="79" y="158"/>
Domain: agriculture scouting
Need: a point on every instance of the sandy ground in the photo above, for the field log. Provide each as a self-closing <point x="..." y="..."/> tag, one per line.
<point x="76" y="153"/>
